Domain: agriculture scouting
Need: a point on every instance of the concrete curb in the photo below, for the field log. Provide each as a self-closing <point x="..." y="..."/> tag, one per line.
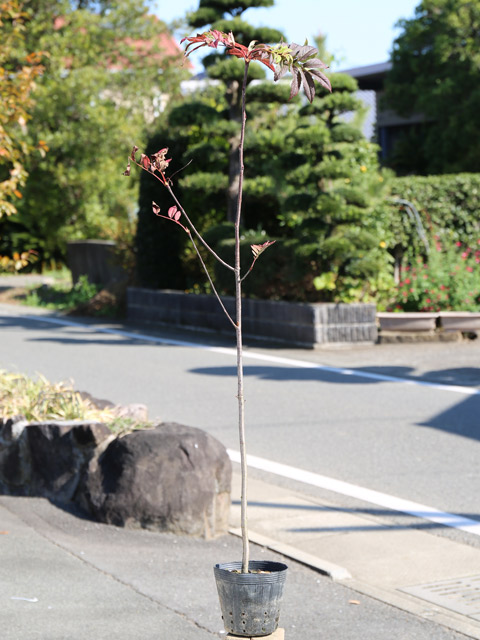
<point x="334" y="571"/>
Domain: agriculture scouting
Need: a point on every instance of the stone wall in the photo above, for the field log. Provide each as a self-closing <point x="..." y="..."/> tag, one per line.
<point x="295" y="324"/>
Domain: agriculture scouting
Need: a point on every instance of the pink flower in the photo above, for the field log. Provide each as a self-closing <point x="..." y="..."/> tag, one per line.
<point x="407" y="281"/>
<point x="470" y="269"/>
<point x="459" y="244"/>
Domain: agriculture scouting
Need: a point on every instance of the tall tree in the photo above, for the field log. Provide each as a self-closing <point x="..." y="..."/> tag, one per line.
<point x="311" y="181"/>
<point x="436" y="72"/>
<point x="108" y="68"/>
<point x="227" y="16"/>
<point x="317" y="188"/>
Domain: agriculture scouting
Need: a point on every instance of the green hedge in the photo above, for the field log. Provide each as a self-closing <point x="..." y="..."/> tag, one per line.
<point x="449" y="205"/>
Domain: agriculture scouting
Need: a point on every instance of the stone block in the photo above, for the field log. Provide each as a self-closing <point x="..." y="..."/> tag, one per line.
<point x="47" y="459"/>
<point x="171" y="478"/>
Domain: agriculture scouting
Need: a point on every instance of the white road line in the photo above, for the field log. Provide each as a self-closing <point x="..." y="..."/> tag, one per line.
<point x="361" y="493"/>
<point x="252" y="355"/>
<point x="338" y="486"/>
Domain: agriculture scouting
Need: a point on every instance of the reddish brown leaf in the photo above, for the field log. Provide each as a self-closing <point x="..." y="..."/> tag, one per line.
<point x="257" y="249"/>
<point x="295" y="85"/>
<point x="308" y="85"/>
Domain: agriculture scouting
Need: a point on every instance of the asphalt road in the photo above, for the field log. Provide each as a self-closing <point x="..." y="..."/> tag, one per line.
<point x="400" y="419"/>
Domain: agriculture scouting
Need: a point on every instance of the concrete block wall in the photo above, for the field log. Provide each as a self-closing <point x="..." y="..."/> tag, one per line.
<point x="96" y="260"/>
<point x="296" y="324"/>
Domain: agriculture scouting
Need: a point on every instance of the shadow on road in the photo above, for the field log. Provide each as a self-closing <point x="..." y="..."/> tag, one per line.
<point x="463" y="419"/>
<point x="461" y="376"/>
<point x="409" y="522"/>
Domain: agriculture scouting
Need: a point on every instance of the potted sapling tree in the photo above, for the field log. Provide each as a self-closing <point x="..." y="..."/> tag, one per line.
<point x="249" y="591"/>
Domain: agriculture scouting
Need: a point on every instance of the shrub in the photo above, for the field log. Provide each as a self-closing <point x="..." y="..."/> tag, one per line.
<point x="450" y="280"/>
<point x="445" y="203"/>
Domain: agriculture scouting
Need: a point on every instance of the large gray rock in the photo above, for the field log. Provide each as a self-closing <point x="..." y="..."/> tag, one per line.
<point x="170" y="478"/>
<point x="47" y="459"/>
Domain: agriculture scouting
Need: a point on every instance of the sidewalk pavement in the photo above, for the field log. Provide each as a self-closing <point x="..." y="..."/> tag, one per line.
<point x="63" y="577"/>
<point x="359" y="548"/>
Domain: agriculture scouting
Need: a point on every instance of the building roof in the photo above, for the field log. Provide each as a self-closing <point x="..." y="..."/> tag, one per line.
<point x="371" y="76"/>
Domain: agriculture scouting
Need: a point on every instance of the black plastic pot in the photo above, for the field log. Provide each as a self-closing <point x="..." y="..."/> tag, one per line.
<point x="250" y="602"/>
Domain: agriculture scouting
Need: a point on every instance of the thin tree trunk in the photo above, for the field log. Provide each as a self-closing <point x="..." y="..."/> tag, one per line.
<point x="238" y="297"/>
<point x="235" y="114"/>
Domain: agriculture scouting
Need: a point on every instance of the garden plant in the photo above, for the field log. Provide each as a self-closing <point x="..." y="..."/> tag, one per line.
<point x="449" y="280"/>
<point x="306" y="69"/>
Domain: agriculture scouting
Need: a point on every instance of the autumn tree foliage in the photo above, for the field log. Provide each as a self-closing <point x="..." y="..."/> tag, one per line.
<point x="108" y="70"/>
<point x="19" y="67"/>
<point x="18" y="70"/>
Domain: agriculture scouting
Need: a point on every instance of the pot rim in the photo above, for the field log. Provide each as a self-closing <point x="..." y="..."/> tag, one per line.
<point x="227" y="571"/>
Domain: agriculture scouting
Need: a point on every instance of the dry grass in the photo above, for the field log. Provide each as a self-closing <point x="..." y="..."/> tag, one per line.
<point x="37" y="400"/>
